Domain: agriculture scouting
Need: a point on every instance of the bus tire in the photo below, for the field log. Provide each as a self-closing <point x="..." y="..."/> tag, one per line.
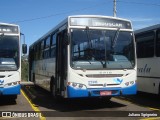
<point x="12" y="97"/>
<point x="106" y="99"/>
<point x="57" y="98"/>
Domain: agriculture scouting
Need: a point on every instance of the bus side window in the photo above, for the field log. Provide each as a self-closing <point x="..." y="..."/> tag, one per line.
<point x="36" y="52"/>
<point x="145" y="45"/>
<point x="41" y="49"/>
<point x="53" y="45"/>
<point x="158" y="44"/>
<point x="47" y="48"/>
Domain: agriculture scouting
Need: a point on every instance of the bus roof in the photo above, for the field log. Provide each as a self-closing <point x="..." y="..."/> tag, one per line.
<point x="66" y="20"/>
<point x="100" y="16"/>
<point x="7" y="28"/>
<point x="8" y="24"/>
<point x="147" y="28"/>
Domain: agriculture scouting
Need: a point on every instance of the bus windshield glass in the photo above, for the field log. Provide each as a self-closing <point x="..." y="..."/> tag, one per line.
<point x="9" y="52"/>
<point x="102" y="49"/>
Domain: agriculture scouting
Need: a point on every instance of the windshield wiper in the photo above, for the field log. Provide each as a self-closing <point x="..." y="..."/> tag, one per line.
<point x="105" y="46"/>
<point x="88" y="37"/>
<point x="90" y="53"/>
<point x="115" y="38"/>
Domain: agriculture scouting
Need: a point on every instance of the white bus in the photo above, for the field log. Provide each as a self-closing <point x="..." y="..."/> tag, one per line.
<point x="148" y="59"/>
<point x="86" y="56"/>
<point x="10" y="60"/>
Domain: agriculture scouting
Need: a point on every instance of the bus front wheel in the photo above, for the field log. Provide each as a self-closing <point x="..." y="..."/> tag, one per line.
<point x="12" y="97"/>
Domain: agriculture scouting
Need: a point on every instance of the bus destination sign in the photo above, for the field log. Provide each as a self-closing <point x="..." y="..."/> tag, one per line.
<point x="100" y="22"/>
<point x="8" y="29"/>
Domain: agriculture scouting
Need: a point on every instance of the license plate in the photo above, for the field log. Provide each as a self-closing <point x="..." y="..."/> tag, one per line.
<point x="104" y="93"/>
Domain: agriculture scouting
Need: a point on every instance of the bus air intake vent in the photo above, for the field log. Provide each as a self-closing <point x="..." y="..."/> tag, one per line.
<point x="2" y="76"/>
<point x="95" y="84"/>
<point x="103" y="75"/>
<point x="112" y="84"/>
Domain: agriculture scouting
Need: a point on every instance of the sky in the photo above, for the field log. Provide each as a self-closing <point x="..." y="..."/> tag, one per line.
<point x="37" y="17"/>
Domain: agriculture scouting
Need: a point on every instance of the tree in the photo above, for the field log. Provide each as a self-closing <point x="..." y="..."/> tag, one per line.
<point x="24" y="68"/>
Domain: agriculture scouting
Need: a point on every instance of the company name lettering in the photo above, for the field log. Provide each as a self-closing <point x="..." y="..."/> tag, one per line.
<point x="144" y="69"/>
<point x="109" y="24"/>
<point x="5" y="30"/>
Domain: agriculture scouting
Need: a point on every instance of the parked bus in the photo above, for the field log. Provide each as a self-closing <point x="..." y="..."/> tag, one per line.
<point x="86" y="56"/>
<point x="10" y="60"/>
<point x="148" y="59"/>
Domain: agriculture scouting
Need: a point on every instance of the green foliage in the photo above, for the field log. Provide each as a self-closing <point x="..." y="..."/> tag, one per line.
<point x="24" y="70"/>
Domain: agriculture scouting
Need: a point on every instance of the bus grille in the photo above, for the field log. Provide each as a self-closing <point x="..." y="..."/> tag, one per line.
<point x="103" y="75"/>
<point x="103" y="85"/>
<point x="2" y="76"/>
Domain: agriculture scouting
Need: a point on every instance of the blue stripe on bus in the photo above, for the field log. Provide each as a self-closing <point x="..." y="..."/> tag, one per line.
<point x="10" y="90"/>
<point x="72" y="92"/>
<point x="129" y="90"/>
<point x="75" y="92"/>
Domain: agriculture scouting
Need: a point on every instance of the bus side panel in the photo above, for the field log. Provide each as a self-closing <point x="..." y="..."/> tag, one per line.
<point x="148" y="75"/>
<point x="44" y="69"/>
<point x="149" y="85"/>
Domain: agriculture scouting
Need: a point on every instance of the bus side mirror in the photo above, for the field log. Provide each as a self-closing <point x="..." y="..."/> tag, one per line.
<point x="24" y="48"/>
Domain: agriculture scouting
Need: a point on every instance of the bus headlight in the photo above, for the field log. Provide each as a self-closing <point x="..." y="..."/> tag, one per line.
<point x="129" y="83"/>
<point x="77" y="85"/>
<point x="9" y="84"/>
<point x="12" y="83"/>
<point x="74" y="84"/>
<point x="80" y="85"/>
<point x="132" y="82"/>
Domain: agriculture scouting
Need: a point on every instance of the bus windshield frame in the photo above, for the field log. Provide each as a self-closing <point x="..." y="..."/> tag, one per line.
<point x="102" y="49"/>
<point x="9" y="52"/>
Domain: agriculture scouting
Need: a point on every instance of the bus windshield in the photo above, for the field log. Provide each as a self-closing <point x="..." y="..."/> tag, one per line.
<point x="9" y="52"/>
<point x="102" y="49"/>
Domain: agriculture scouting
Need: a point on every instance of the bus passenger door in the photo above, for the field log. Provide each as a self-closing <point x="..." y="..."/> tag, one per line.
<point x="61" y="61"/>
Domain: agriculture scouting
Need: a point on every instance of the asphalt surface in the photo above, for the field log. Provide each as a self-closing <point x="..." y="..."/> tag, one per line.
<point x="20" y="106"/>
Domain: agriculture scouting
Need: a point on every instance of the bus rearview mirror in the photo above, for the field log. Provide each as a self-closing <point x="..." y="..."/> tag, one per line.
<point x="24" y="48"/>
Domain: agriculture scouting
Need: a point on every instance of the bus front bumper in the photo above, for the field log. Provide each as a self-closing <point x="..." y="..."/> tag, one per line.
<point x="78" y="93"/>
<point x="13" y="90"/>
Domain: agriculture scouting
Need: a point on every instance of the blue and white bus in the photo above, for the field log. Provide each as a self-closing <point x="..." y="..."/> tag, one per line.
<point x="148" y="59"/>
<point x="86" y="56"/>
<point x="10" y="60"/>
